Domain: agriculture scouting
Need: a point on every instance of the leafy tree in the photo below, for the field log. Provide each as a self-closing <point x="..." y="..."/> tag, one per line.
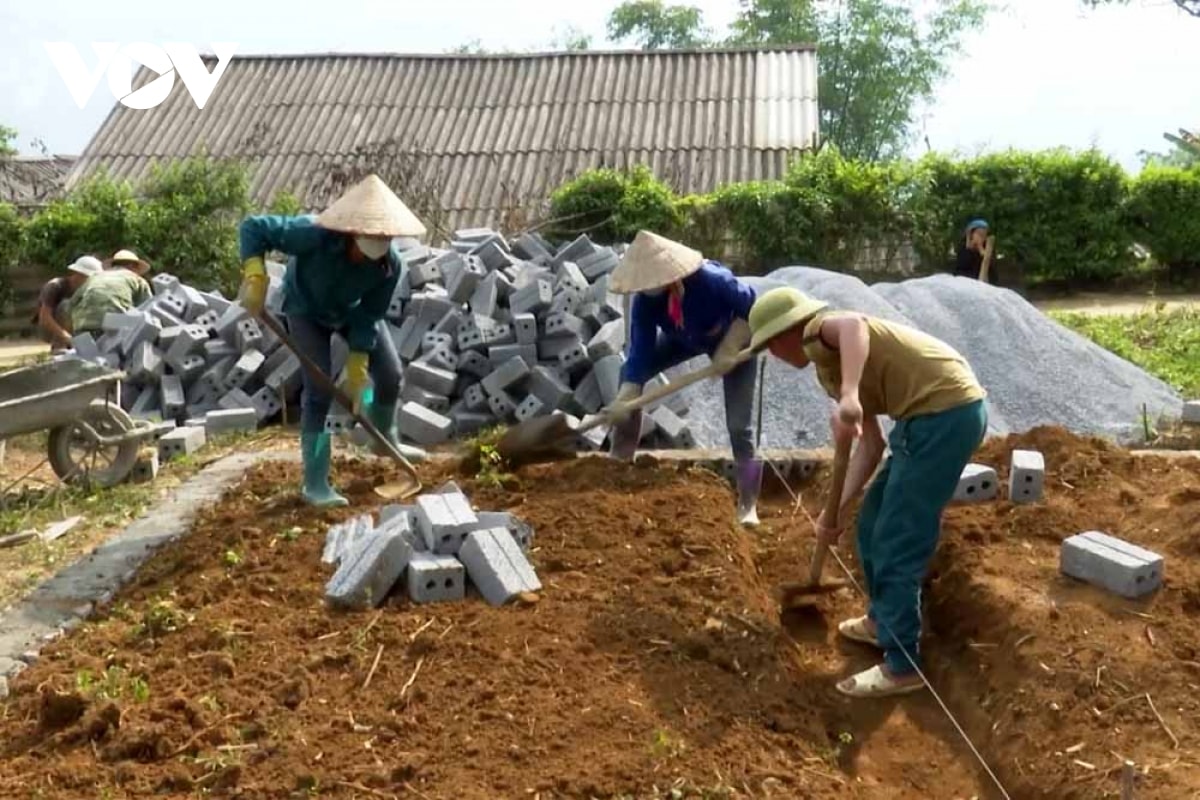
<point x="1187" y="6"/>
<point x="7" y="137"/>
<point x="571" y="38"/>
<point x="879" y="59"/>
<point x="654" y="25"/>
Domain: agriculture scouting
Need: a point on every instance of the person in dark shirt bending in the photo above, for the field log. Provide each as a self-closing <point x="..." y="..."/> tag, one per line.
<point x="971" y="252"/>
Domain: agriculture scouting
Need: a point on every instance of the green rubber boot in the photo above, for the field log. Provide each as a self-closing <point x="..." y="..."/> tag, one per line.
<point x="383" y="417"/>
<point x="316" y="449"/>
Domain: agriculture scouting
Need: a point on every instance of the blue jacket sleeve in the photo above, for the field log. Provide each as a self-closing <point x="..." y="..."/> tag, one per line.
<point x="265" y="232"/>
<point x="734" y="294"/>
<point x="363" y="318"/>
<point x="643" y="335"/>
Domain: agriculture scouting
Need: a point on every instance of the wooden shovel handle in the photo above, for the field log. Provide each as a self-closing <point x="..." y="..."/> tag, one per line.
<point x="833" y="504"/>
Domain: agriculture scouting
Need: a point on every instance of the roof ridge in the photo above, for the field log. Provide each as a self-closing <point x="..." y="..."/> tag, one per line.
<point x="546" y="54"/>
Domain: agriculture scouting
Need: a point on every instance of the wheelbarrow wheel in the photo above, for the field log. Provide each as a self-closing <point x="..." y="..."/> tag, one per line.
<point x="76" y="459"/>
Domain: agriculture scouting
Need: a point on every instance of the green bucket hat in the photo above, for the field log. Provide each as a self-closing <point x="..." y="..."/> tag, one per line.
<point x="779" y="310"/>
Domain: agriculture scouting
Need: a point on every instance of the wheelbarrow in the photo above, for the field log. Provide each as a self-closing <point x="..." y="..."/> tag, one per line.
<point x="92" y="440"/>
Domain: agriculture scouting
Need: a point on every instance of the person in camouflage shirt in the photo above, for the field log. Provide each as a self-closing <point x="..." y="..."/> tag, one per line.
<point x="115" y="290"/>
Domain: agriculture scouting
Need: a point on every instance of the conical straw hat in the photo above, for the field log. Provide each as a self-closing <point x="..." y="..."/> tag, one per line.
<point x="653" y="261"/>
<point x="370" y="208"/>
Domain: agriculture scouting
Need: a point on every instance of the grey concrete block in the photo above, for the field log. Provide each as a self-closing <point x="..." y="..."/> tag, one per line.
<point x="165" y="318"/>
<point x="500" y="334"/>
<point x="163" y="283"/>
<point x="85" y="347"/>
<point x="422" y="425"/>
<point x="443" y="358"/>
<point x="674" y="430"/>
<point x="173" y="304"/>
<point x="501" y="353"/>
<point x="1112" y="564"/>
<point x="502" y="405"/>
<point x="449" y="324"/>
<point x="532" y="299"/>
<point x="266" y="403"/>
<point x="676" y="402"/>
<point x="593" y="316"/>
<point x="564" y="325"/>
<point x="444" y="520"/>
<point x="244" y="369"/>
<point x="521" y="531"/>
<point x="475" y="236"/>
<point x="506" y="375"/>
<point x="493" y="254"/>
<point x="531" y="407"/>
<point x="599" y="263"/>
<point x="474" y="363"/>
<point x="526" y="328"/>
<point x="485" y="296"/>
<point x="430" y="378"/>
<point x="229" y="420"/>
<point x="570" y="276"/>
<point x="190" y="340"/>
<point x="576" y="251"/>
<point x="592" y="439"/>
<point x="1026" y="477"/>
<point x="608" y="377"/>
<point x="587" y="394"/>
<point x="208" y="321"/>
<point x="167" y="337"/>
<point x="552" y="349"/>
<point x="424" y="273"/>
<point x="435" y="579"/>
<point x="146" y="364"/>
<point x="346" y="536"/>
<point x="109" y="343"/>
<point x="467" y="423"/>
<point x="368" y="572"/>
<point x="248" y="335"/>
<point x="411" y="393"/>
<point x="1191" y="412"/>
<point x="195" y="303"/>
<point x="145" y="469"/>
<point x="565" y="302"/>
<point x="235" y="399"/>
<point x="174" y="400"/>
<point x="475" y="398"/>
<point x="147" y="404"/>
<point x="496" y="566"/>
<point x="286" y="375"/>
<point x="529" y="247"/>
<point x="548" y="387"/>
<point x="432" y="340"/>
<point x="472" y="335"/>
<point x="575" y="358"/>
<point x="977" y="483"/>
<point x="226" y="327"/>
<point x="146" y="331"/>
<point x="462" y="283"/>
<point x="118" y="322"/>
<point x="180" y="442"/>
<point x="339" y="424"/>
<point x="608" y="341"/>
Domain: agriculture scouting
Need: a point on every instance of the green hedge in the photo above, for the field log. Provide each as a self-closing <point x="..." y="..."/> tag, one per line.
<point x="1058" y="215"/>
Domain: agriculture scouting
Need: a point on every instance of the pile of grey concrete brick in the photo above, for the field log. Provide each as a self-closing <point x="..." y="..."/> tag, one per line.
<point x="196" y="361"/>
<point x="433" y="548"/>
<point x="491" y="331"/>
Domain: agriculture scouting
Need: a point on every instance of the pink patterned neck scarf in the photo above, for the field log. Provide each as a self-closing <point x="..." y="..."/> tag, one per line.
<point x="675" y="307"/>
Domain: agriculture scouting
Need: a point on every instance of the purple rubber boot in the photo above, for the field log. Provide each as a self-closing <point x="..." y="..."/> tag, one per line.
<point x="749" y="484"/>
<point x="625" y="436"/>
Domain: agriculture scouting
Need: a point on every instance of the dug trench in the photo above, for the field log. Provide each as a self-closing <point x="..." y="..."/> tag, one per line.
<point x="655" y="662"/>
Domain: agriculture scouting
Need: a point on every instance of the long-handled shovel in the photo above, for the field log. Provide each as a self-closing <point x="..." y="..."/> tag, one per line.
<point x="525" y="442"/>
<point x="394" y="490"/>
<point x="798" y="594"/>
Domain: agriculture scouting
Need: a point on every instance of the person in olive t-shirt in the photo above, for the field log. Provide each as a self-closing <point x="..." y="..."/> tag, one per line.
<point x="114" y="290"/>
<point x="874" y="367"/>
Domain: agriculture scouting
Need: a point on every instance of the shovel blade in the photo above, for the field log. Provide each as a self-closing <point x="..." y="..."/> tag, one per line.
<point x="534" y="436"/>
<point x="402" y="489"/>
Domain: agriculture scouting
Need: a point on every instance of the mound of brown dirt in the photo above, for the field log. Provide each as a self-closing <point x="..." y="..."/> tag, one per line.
<point x="654" y="662"/>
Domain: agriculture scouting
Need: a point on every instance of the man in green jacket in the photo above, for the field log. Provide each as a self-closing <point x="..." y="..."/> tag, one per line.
<point x="345" y="269"/>
<point x="116" y="290"/>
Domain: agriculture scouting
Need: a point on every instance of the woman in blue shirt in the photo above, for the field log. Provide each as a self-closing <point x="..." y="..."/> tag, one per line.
<point x="341" y="280"/>
<point x="685" y="306"/>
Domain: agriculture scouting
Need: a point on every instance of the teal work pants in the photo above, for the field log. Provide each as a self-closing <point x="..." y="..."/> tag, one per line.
<point x="900" y="520"/>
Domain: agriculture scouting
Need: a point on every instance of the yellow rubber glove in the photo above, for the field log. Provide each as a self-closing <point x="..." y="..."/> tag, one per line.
<point x="356" y="377"/>
<point x="254" y="285"/>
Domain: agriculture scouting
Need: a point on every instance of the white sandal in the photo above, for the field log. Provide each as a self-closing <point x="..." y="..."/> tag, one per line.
<point x="856" y="631"/>
<point x="874" y="682"/>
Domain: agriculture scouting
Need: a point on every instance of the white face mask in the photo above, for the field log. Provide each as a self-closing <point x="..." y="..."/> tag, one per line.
<point x="372" y="247"/>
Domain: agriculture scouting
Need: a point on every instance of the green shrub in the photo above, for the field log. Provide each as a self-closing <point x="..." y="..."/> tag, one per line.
<point x="1164" y="215"/>
<point x="1057" y="214"/>
<point x="613" y="205"/>
<point x="11" y="234"/>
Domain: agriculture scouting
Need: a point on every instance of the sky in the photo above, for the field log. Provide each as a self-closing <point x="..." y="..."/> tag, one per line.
<point x="1044" y="73"/>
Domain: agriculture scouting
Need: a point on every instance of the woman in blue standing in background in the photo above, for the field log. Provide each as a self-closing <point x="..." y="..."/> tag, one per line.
<point x="685" y="306"/>
<point x="345" y="269"/>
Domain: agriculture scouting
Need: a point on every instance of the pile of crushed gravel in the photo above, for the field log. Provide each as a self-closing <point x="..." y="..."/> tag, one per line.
<point x="1036" y="371"/>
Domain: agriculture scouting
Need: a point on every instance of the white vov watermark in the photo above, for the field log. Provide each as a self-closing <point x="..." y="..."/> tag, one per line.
<point x="117" y="62"/>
